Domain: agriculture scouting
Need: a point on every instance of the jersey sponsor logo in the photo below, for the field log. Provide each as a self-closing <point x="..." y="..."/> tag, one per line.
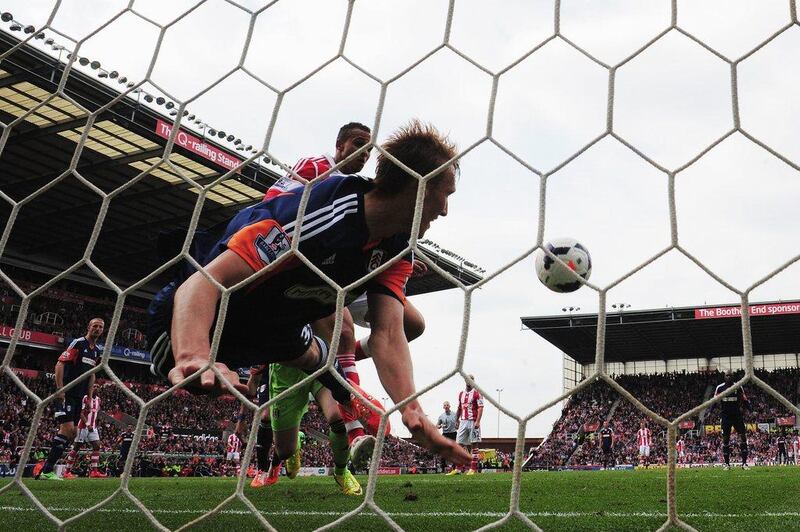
<point x="375" y="260"/>
<point x="88" y="360"/>
<point x="272" y="245"/>
<point x="323" y="294"/>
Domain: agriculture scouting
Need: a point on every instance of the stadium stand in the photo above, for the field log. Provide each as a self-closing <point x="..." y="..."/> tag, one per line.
<point x="573" y="441"/>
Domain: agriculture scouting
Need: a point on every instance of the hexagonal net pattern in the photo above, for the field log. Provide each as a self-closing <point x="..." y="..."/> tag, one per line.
<point x="369" y="503"/>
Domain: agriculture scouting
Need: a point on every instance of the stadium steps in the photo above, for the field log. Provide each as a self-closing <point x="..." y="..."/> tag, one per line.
<point x="613" y="408"/>
<point x="316" y="434"/>
<point x="706" y="397"/>
<point x="120" y="423"/>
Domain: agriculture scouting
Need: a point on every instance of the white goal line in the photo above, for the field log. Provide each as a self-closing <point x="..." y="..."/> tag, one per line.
<point x="321" y="513"/>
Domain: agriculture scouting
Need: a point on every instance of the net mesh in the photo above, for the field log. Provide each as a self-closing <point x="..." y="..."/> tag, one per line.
<point x="369" y="504"/>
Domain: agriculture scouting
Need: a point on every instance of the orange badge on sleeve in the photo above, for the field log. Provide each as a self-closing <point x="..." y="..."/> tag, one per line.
<point x="260" y="244"/>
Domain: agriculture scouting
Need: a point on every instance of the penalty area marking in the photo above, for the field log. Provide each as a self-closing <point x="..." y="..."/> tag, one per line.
<point x="311" y="513"/>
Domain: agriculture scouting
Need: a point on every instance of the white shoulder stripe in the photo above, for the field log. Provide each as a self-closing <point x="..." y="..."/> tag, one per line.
<point x="333" y="222"/>
<point x="323" y="219"/>
<point x="321" y="212"/>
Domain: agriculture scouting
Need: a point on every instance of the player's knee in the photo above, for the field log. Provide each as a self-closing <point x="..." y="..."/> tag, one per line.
<point x="413" y="324"/>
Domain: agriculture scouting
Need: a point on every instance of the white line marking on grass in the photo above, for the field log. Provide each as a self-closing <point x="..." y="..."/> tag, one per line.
<point x="311" y="513"/>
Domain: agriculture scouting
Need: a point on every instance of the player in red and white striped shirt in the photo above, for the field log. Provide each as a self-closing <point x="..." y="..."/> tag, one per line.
<point x="643" y="439"/>
<point x="470" y="411"/>
<point x="87" y="433"/>
<point x="351" y="137"/>
<point x="794" y="447"/>
<point x="234" y="445"/>
<point x="680" y="449"/>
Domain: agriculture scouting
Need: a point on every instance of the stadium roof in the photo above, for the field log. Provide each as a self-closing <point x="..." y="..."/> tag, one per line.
<point x="673" y="333"/>
<point x="52" y="230"/>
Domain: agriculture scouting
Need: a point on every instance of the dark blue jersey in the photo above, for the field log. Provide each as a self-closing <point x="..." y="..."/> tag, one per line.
<point x="333" y="237"/>
<point x="731" y="406"/>
<point x="606" y="437"/>
<point x="80" y="357"/>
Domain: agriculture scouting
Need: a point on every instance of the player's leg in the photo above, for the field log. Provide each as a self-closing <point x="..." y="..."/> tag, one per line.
<point x="413" y="321"/>
<point x="473" y="465"/>
<point x="71" y="457"/>
<point x="741" y="431"/>
<point x="474" y="438"/>
<point x="66" y="416"/>
<point x="463" y="439"/>
<point x="94" y="439"/>
<point x="313" y="359"/>
<point x="413" y="325"/>
<point x="346" y="359"/>
<point x="726" y="441"/>
<point x="339" y="443"/>
<point x="285" y="417"/>
<point x="264" y="441"/>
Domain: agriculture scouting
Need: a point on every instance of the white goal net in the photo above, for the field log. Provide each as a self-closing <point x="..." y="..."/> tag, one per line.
<point x="277" y="91"/>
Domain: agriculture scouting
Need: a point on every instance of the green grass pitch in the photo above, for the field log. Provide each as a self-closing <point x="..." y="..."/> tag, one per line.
<point x="764" y="498"/>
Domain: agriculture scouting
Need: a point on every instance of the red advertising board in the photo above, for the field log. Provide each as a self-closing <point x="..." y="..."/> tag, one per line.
<point x="388" y="470"/>
<point x="32" y="337"/>
<point x="769" y="309"/>
<point x="30" y="373"/>
<point x="198" y="146"/>
<point x="786" y="421"/>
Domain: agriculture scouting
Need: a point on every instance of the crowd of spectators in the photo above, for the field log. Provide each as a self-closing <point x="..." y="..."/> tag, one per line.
<point x="189" y="429"/>
<point x="65" y="308"/>
<point x="574" y="440"/>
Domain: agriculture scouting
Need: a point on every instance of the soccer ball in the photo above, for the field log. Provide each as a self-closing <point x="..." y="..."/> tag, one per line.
<point x="554" y="275"/>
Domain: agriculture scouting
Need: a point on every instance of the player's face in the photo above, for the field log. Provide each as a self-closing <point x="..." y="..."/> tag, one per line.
<point x="95" y="329"/>
<point x="436" y="197"/>
<point x="357" y="139"/>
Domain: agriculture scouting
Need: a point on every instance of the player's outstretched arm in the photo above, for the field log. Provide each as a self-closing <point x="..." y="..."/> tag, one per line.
<point x="392" y="359"/>
<point x="193" y="314"/>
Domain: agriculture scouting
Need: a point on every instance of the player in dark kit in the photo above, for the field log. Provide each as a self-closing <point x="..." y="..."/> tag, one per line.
<point x="125" y="441"/>
<point x="81" y="356"/>
<point x="783" y="456"/>
<point x="607" y="445"/>
<point x="731" y="416"/>
<point x="351" y="227"/>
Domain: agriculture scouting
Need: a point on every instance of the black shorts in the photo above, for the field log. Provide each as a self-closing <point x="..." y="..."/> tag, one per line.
<point x="124" y="449"/>
<point x="606" y="450"/>
<point x="450" y="435"/>
<point x="733" y="421"/>
<point x="70" y="412"/>
<point x="249" y="337"/>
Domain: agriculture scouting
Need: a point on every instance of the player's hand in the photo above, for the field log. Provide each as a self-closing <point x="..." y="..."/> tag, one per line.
<point x="477" y="424"/>
<point x="423" y="431"/>
<point x="207" y="382"/>
<point x="419" y="268"/>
